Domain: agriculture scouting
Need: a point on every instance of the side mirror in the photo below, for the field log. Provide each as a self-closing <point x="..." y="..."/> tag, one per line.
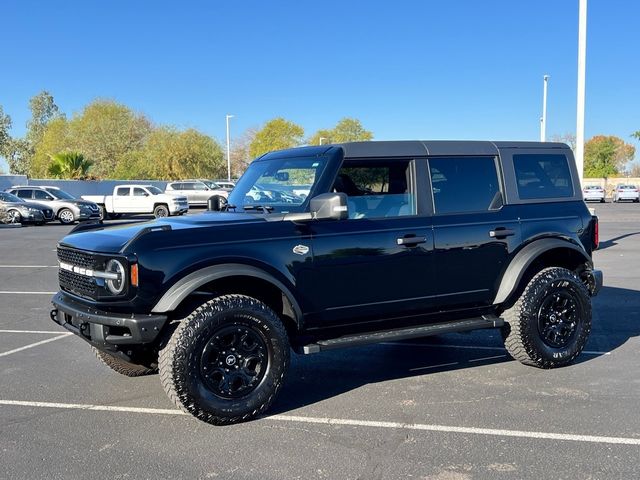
<point x="216" y="203"/>
<point x="331" y="206"/>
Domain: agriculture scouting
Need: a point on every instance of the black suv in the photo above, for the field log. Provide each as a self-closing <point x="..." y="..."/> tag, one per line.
<point x="394" y="240"/>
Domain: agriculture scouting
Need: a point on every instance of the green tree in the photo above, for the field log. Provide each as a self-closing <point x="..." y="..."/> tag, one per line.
<point x="277" y="134"/>
<point x="71" y="165"/>
<point x="55" y="139"/>
<point x="636" y="135"/>
<point x="605" y="156"/>
<point x="43" y="110"/>
<point x="240" y="153"/>
<point x="346" y="130"/>
<point x="170" y="154"/>
<point x="5" y="136"/>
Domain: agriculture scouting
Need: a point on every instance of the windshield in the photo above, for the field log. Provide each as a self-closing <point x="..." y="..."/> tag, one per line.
<point x="154" y="190"/>
<point x="211" y="185"/>
<point x="60" y="194"/>
<point x="9" y="197"/>
<point x="281" y="185"/>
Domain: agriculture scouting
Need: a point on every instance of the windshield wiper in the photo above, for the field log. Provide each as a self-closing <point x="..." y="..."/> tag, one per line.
<point x="265" y="208"/>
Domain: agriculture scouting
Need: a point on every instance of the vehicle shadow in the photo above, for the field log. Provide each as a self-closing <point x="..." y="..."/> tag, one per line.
<point x="318" y="377"/>
<point x="613" y="241"/>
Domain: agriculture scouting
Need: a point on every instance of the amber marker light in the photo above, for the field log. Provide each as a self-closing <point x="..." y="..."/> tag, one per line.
<point x="134" y="275"/>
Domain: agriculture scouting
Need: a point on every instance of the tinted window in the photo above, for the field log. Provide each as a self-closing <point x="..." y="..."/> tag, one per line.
<point x="176" y="186"/>
<point x="41" y="195"/>
<point x="542" y="176"/>
<point x="24" y="193"/>
<point x="463" y="184"/>
<point x="376" y="188"/>
<point x="122" y="192"/>
<point x="189" y="186"/>
<point x="199" y="186"/>
<point x="139" y="192"/>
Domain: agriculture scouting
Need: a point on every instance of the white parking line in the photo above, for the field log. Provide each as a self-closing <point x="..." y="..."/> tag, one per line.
<point x="472" y="347"/>
<point x="7" y="292"/>
<point x="352" y="423"/>
<point x="28" y="266"/>
<point x="26" y="347"/>
<point x="52" y="332"/>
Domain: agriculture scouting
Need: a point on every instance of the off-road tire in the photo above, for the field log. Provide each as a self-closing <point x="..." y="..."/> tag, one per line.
<point x="521" y="332"/>
<point x="181" y="361"/>
<point x="66" y="216"/>
<point x="122" y="366"/>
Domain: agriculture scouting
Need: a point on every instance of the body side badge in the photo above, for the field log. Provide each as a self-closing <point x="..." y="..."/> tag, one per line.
<point x="300" y="249"/>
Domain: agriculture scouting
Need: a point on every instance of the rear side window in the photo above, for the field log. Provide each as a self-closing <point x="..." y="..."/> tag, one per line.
<point x="464" y="184"/>
<point x="23" y="193"/>
<point x="122" y="192"/>
<point x="542" y="176"/>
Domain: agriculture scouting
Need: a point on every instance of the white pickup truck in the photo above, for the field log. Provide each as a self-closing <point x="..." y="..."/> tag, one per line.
<point x="136" y="199"/>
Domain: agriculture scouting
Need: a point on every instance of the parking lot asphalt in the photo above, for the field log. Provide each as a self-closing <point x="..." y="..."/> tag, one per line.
<point x="450" y="407"/>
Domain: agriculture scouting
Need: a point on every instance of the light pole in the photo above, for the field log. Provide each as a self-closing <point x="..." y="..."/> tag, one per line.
<point x="228" y="151"/>
<point x="321" y="138"/>
<point x="543" y="120"/>
<point x="582" y="55"/>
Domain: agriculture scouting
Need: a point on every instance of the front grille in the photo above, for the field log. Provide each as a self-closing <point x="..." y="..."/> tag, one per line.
<point x="79" y="284"/>
<point x="76" y="257"/>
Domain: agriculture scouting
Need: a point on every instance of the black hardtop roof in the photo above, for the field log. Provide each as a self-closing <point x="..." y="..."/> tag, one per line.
<point x="414" y="148"/>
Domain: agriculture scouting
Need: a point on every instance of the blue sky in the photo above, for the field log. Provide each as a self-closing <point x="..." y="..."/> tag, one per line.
<point x="464" y="69"/>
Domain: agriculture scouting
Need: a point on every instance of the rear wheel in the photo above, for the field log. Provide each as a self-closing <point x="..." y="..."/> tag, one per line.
<point x="121" y="366"/>
<point x="14" y="216"/>
<point x="550" y="323"/>
<point x="226" y="361"/>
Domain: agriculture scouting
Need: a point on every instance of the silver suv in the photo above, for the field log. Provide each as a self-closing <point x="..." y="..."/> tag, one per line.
<point x="66" y="207"/>
<point x="198" y="192"/>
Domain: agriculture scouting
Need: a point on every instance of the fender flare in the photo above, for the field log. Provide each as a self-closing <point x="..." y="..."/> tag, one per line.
<point x="524" y="258"/>
<point x="188" y="284"/>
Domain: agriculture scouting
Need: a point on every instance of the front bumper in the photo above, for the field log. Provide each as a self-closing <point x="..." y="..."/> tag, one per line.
<point x="178" y="209"/>
<point x="31" y="217"/>
<point x="88" y="215"/>
<point x="102" y="329"/>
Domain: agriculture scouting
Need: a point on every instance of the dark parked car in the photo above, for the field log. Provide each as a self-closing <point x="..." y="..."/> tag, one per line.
<point x="395" y="240"/>
<point x="66" y="208"/>
<point x="19" y="211"/>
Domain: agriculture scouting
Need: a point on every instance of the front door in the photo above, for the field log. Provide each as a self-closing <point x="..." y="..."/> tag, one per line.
<point x="378" y="263"/>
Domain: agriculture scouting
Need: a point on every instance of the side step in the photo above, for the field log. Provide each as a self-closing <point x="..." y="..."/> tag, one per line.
<point x="486" y="321"/>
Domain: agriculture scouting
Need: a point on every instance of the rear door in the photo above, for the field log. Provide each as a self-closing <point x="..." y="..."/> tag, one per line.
<point x="122" y="200"/>
<point x="474" y="232"/>
<point x="378" y="263"/>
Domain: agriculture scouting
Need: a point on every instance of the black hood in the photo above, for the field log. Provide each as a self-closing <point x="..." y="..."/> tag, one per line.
<point x="114" y="239"/>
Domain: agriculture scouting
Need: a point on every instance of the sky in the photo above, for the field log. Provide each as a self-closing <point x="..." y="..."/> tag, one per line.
<point x="430" y="69"/>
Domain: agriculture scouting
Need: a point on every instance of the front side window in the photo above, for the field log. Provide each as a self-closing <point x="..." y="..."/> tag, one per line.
<point x="541" y="176"/>
<point x="139" y="192"/>
<point x="376" y="188"/>
<point x="41" y="195"/>
<point x="280" y="185"/>
<point x="464" y="184"/>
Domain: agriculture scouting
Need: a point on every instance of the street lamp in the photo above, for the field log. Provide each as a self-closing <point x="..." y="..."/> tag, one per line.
<point x="321" y="138"/>
<point x="543" y="120"/>
<point x="228" y="151"/>
<point x="582" y="54"/>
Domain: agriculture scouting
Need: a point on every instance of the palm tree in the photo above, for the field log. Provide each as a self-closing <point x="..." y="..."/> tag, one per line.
<point x="70" y="165"/>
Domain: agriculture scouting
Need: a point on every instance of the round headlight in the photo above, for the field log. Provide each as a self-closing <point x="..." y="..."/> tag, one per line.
<point x="116" y="286"/>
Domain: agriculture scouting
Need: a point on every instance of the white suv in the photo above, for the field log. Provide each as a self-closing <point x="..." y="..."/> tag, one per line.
<point x="198" y="192"/>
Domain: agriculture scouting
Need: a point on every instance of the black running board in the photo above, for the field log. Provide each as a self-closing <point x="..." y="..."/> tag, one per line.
<point x="486" y="321"/>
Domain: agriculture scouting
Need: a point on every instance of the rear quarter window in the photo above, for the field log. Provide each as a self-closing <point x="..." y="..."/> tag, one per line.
<point x="541" y="176"/>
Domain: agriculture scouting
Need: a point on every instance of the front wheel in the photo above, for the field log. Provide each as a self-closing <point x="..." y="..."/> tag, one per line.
<point x="225" y="362"/>
<point x="161" y="211"/>
<point x="66" y="216"/>
<point x="550" y="323"/>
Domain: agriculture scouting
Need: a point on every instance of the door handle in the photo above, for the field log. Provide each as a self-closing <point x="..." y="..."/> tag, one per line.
<point x="410" y="241"/>
<point x="501" y="232"/>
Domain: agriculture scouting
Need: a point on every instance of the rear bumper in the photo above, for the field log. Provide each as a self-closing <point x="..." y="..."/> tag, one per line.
<point x="102" y="329"/>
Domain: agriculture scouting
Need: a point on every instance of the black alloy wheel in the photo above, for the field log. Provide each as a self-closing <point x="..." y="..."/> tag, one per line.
<point x="558" y="318"/>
